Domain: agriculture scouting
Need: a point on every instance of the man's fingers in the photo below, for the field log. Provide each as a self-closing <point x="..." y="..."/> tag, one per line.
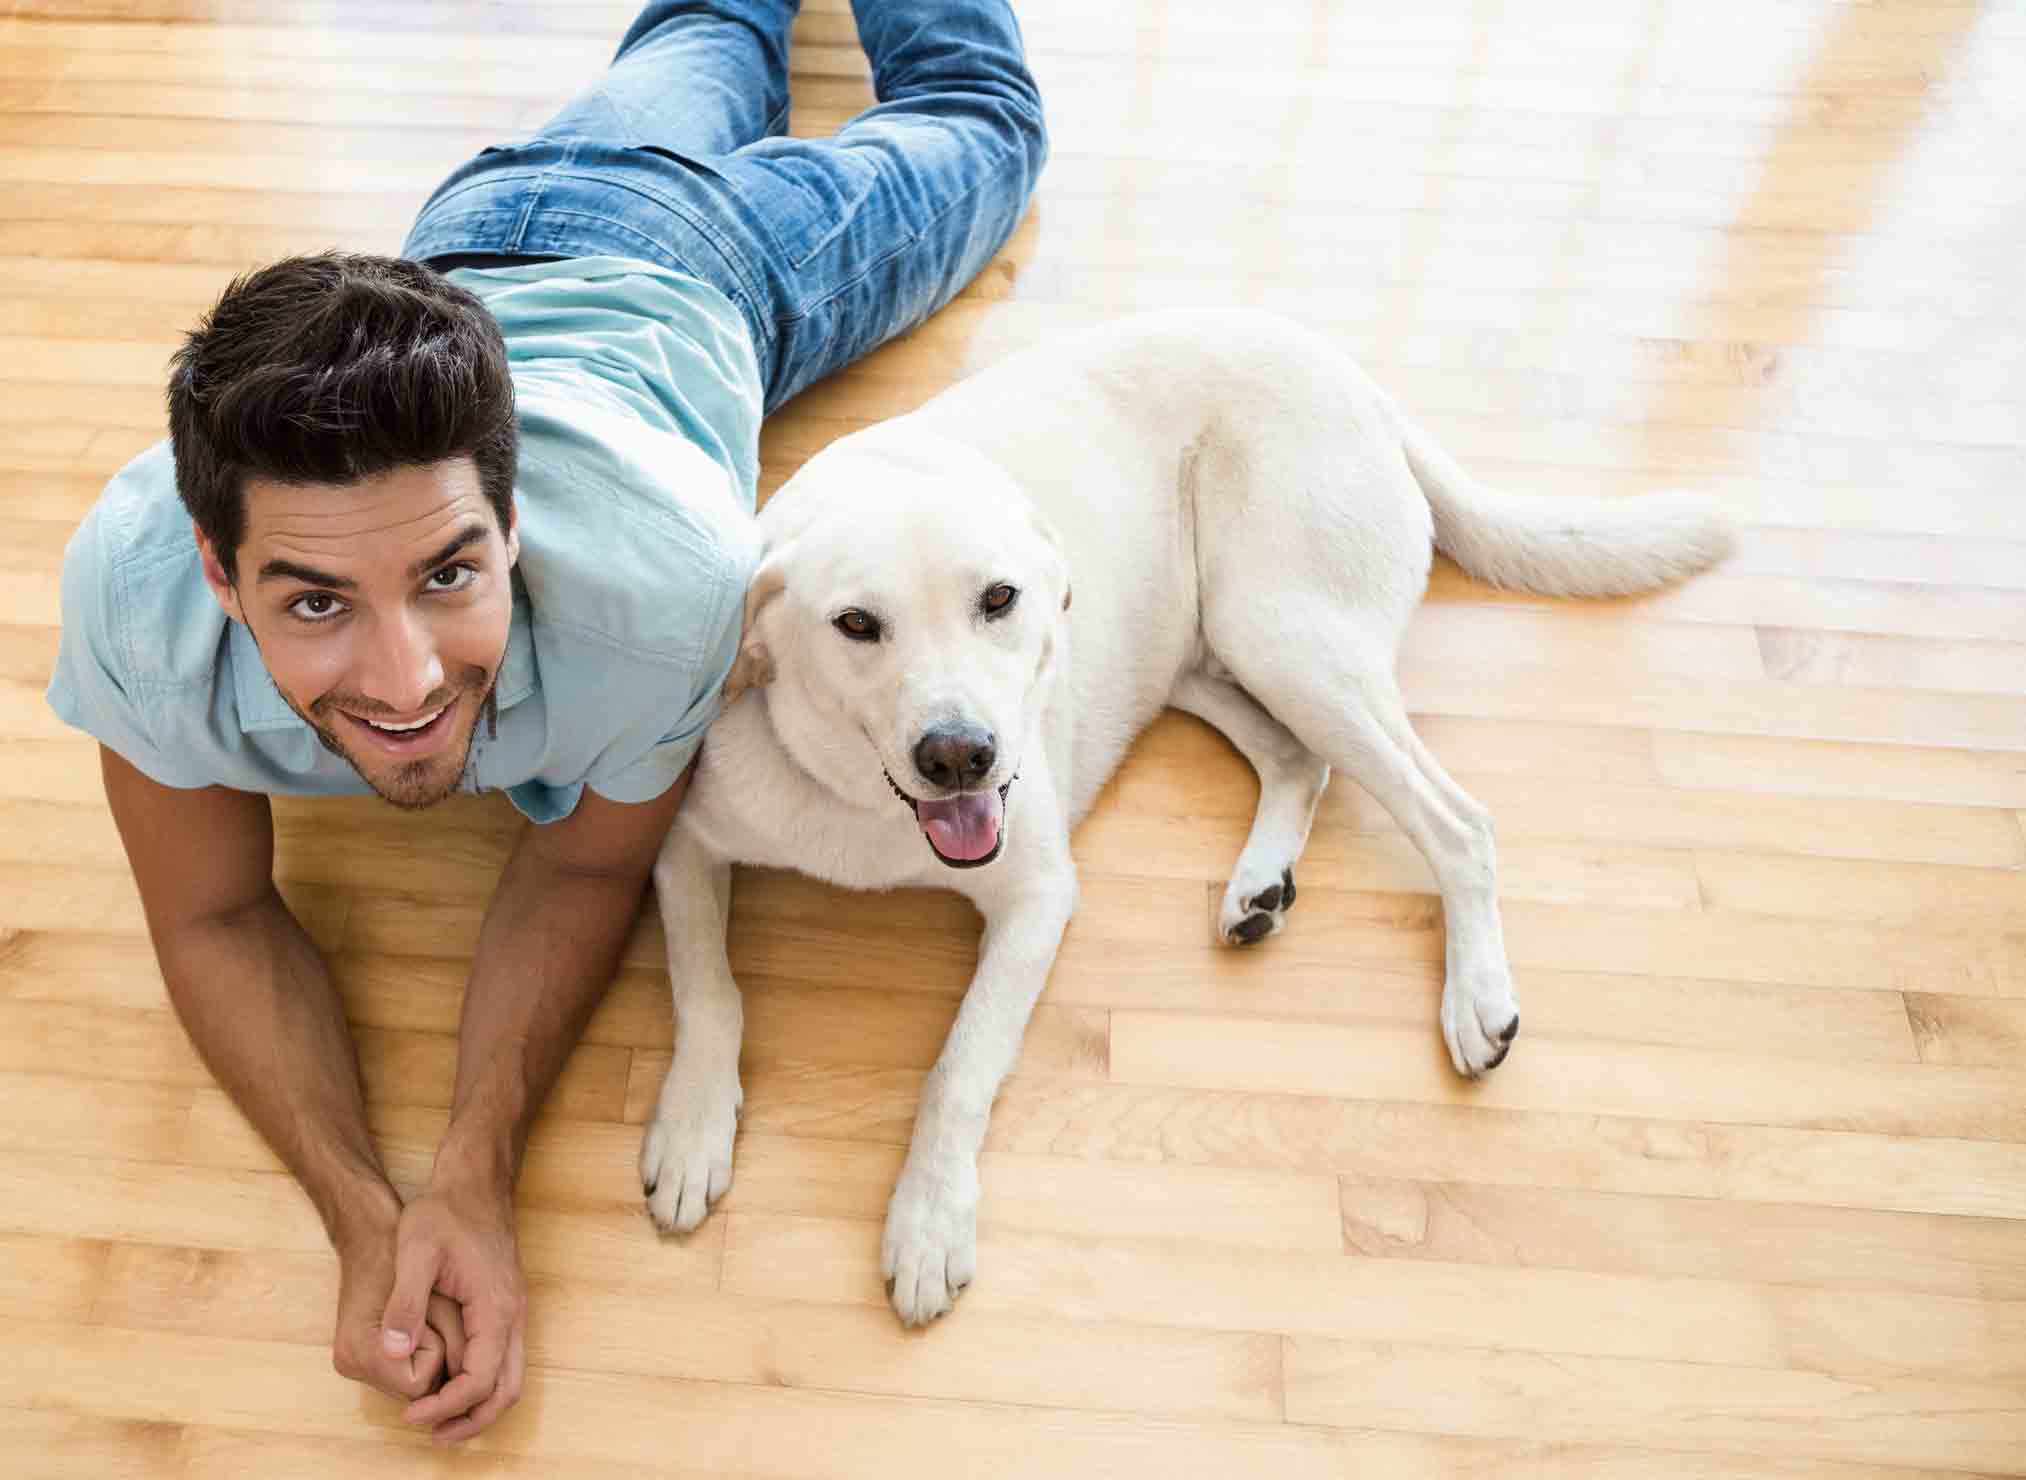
<point x="446" y="1319"/>
<point x="484" y="1357"/>
<point x="503" y="1397"/>
<point x="407" y="1377"/>
<point x="416" y="1266"/>
<point x="459" y="1396"/>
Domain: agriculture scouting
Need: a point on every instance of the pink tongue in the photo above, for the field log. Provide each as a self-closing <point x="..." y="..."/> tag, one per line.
<point x="963" y="828"/>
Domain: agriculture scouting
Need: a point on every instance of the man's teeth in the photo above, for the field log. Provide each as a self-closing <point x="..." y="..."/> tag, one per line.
<point x="403" y="729"/>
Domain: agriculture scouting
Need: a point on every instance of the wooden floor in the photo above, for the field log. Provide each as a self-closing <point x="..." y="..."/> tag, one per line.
<point x="1749" y="1200"/>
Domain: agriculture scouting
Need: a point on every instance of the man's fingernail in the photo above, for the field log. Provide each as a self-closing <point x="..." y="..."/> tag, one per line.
<point x="396" y="1343"/>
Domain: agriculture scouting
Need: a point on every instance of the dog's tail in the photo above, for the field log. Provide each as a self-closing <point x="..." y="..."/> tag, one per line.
<point x="1563" y="546"/>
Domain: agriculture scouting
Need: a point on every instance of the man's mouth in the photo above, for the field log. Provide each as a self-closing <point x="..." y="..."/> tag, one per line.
<point x="422" y="735"/>
<point x="965" y="831"/>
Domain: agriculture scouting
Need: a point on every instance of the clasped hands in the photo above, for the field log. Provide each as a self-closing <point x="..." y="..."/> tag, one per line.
<point x="432" y="1304"/>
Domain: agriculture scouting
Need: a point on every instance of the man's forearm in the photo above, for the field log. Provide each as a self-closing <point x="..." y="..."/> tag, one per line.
<point x="258" y="1004"/>
<point x="550" y="944"/>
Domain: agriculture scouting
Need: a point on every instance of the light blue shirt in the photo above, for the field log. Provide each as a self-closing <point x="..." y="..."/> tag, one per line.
<point x="639" y="401"/>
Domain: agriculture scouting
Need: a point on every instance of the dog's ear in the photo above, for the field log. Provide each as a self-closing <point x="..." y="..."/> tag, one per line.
<point x="753" y="668"/>
<point x="1047" y="532"/>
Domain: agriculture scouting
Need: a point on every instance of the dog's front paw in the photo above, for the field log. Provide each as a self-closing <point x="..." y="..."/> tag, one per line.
<point x="931" y="1248"/>
<point x="686" y="1156"/>
<point x="1480" y="1019"/>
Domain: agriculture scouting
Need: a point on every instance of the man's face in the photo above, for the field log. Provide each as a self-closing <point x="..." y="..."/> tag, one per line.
<point x="381" y="609"/>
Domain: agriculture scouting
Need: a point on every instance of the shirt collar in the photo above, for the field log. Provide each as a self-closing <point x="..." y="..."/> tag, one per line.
<point x="261" y="706"/>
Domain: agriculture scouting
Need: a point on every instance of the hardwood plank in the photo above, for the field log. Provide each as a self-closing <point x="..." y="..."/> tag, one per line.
<point x="724" y="1427"/>
<point x="58" y="1446"/>
<point x="1766" y="709"/>
<point x="1381" y="1062"/>
<point x="1966" y="1030"/>
<point x="1705" y="1238"/>
<point x="1929" y="895"/>
<point x="1785" y="767"/>
<point x="1879" y="1334"/>
<point x="1969" y="1425"/>
<point x="1746" y="1163"/>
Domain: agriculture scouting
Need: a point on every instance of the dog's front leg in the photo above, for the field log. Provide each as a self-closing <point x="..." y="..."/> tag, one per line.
<point x="931" y="1246"/>
<point x="686" y="1156"/>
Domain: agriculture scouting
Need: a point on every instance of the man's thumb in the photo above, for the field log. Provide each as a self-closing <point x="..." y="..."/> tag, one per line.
<point x="414" y="1275"/>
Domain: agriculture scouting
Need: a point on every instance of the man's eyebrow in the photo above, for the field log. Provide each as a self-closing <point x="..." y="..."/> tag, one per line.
<point x="471" y="534"/>
<point x="288" y="570"/>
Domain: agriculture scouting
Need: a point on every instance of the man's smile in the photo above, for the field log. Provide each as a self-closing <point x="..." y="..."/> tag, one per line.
<point x="411" y="739"/>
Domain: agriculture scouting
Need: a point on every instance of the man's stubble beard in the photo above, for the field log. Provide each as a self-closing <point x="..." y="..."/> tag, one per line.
<point x="406" y="780"/>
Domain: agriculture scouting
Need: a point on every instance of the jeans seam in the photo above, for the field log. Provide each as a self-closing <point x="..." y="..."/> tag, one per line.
<point x="726" y="251"/>
<point x="913" y="241"/>
<point x="712" y="238"/>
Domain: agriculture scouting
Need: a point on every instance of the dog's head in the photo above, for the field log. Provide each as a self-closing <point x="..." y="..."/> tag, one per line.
<point x="907" y="616"/>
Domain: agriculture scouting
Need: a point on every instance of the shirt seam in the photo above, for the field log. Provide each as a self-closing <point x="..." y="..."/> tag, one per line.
<point x="652" y="520"/>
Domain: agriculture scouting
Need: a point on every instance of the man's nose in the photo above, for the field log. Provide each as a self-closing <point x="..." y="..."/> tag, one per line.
<point x="402" y="668"/>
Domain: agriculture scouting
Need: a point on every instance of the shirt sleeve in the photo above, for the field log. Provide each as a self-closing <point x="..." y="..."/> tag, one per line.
<point x="93" y="687"/>
<point x="644" y="763"/>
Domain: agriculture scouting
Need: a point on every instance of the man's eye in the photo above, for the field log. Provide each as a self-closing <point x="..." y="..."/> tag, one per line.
<point x="857" y="625"/>
<point x="453" y="577"/>
<point x="316" y="606"/>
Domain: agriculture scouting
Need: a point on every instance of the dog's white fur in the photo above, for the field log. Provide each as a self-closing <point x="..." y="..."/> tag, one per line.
<point x="1211" y="510"/>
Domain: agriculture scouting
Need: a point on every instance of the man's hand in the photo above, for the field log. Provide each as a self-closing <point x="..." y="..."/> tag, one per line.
<point x="359" y="1350"/>
<point x="457" y="1241"/>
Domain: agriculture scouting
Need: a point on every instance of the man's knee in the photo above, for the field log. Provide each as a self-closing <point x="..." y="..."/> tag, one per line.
<point x="1029" y="129"/>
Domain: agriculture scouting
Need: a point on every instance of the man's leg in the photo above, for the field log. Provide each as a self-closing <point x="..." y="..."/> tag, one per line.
<point x="692" y="80"/>
<point x="827" y="247"/>
<point x="696" y="78"/>
<point x="876" y="228"/>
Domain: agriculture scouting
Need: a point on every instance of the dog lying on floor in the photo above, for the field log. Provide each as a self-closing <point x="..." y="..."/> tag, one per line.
<point x="963" y="617"/>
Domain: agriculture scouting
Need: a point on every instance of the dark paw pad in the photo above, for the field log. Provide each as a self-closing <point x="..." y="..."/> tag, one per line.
<point x="1266" y="899"/>
<point x="647" y="1188"/>
<point x="1510" y="1031"/>
<point x="1251" y="929"/>
<point x="1287" y="889"/>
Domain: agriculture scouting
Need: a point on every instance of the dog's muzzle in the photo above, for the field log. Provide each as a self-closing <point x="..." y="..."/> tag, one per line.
<point x="963" y="831"/>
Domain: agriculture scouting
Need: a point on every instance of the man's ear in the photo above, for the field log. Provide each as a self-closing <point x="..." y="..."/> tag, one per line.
<point x="513" y="533"/>
<point x="754" y="666"/>
<point x="215" y="576"/>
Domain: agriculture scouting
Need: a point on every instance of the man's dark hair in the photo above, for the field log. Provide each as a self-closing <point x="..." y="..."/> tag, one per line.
<point x="333" y="368"/>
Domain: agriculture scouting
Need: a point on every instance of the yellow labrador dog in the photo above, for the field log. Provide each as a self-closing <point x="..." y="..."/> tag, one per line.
<point x="963" y="616"/>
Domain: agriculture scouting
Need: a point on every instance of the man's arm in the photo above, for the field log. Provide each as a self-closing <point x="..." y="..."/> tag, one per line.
<point x="550" y="944"/>
<point x="256" y="1001"/>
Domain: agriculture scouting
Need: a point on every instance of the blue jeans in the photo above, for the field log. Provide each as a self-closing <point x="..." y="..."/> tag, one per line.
<point x="828" y="247"/>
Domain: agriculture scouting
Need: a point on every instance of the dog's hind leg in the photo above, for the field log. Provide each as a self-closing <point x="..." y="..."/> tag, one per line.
<point x="1291" y="782"/>
<point x="1338" y="695"/>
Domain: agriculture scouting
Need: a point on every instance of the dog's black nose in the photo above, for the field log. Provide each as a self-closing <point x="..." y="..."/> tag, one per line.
<point x="955" y="755"/>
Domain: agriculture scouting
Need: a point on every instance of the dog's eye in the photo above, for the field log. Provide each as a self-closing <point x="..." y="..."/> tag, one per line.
<point x="997" y="599"/>
<point x="857" y="625"/>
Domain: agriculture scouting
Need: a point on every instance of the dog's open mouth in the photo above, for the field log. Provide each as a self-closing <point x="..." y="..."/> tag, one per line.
<point x="963" y="831"/>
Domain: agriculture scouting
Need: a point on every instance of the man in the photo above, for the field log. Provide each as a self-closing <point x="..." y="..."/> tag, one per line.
<point x="479" y="519"/>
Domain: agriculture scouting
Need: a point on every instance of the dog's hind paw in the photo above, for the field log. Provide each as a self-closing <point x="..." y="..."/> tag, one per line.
<point x="1250" y="914"/>
<point x="1480" y="1019"/>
